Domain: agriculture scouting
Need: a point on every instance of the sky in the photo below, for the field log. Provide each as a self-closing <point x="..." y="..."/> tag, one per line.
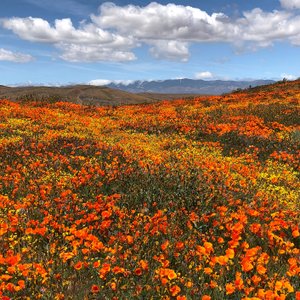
<point x="62" y="42"/>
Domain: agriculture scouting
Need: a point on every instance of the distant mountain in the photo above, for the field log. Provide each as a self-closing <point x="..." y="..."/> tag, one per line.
<point x="187" y="86"/>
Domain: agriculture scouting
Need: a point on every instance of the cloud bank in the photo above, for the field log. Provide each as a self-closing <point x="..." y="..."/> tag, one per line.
<point x="115" y="31"/>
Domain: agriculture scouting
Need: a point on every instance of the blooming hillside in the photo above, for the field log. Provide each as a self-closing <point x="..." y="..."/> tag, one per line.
<point x="177" y="200"/>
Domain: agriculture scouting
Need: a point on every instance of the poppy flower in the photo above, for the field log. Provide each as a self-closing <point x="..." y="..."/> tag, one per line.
<point x="95" y="289"/>
<point x="138" y="271"/>
<point x="171" y="274"/>
<point x="78" y="266"/>
<point x="174" y="290"/>
<point x="229" y="288"/>
<point x="261" y="269"/>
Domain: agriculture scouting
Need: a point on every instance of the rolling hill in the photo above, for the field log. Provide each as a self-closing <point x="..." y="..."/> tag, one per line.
<point x="80" y="94"/>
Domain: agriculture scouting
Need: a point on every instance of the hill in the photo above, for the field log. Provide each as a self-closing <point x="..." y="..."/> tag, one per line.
<point x="80" y="94"/>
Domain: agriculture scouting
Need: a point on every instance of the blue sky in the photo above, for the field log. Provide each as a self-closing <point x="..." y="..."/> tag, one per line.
<point x="92" y="41"/>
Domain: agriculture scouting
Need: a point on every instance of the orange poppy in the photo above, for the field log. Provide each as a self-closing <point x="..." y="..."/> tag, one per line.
<point x="261" y="269"/>
<point x="95" y="289"/>
<point x="138" y="271"/>
<point x="208" y="271"/>
<point x="256" y="279"/>
<point x="144" y="265"/>
<point x="174" y="290"/>
<point x="246" y="265"/>
<point x="229" y="288"/>
<point x="230" y="253"/>
<point x="171" y="274"/>
<point x="78" y="265"/>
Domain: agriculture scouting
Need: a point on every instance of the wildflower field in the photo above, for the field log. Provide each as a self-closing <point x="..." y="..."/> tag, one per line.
<point x="187" y="199"/>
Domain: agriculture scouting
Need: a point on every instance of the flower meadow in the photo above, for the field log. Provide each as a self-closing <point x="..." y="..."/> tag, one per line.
<point x="185" y="199"/>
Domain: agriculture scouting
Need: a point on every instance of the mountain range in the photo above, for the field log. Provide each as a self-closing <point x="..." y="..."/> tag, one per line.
<point x="134" y="93"/>
<point x="187" y="86"/>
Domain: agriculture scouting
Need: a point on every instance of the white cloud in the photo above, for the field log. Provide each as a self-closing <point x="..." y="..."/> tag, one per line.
<point x="157" y="23"/>
<point x="204" y="75"/>
<point x="90" y="53"/>
<point x="185" y="23"/>
<point x="267" y="27"/>
<point x="288" y="76"/>
<point x="170" y="50"/>
<point x="113" y="33"/>
<point x="87" y="43"/>
<point x="101" y="82"/>
<point x="39" y="30"/>
<point x="7" y="55"/>
<point x="290" y="4"/>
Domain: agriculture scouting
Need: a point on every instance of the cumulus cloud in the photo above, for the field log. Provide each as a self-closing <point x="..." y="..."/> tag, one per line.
<point x="267" y="27"/>
<point x="114" y="31"/>
<point x="90" y="53"/>
<point x="170" y="50"/>
<point x="167" y="22"/>
<point x="189" y="24"/>
<point x="7" y="55"/>
<point x="39" y="30"/>
<point x="290" y="4"/>
<point x="157" y="23"/>
<point x="86" y="43"/>
<point x="204" y="75"/>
